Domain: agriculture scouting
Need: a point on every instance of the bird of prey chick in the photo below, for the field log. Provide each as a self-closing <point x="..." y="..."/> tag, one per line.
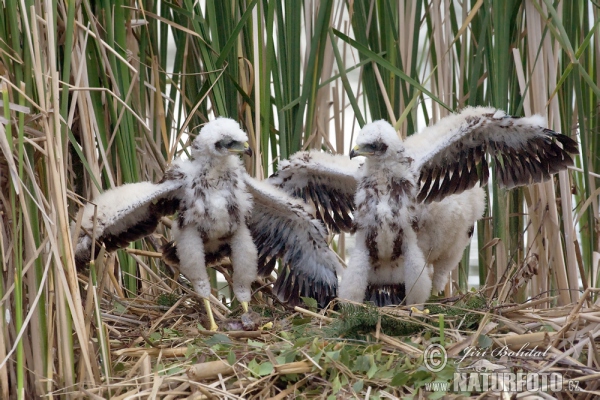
<point x="221" y="211"/>
<point x="414" y="202"/>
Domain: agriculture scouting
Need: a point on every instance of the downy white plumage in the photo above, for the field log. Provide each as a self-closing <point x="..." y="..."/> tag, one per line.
<point x="415" y="201"/>
<point x="221" y="211"/>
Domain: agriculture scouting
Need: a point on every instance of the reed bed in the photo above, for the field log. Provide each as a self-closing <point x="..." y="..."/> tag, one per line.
<point x="100" y="93"/>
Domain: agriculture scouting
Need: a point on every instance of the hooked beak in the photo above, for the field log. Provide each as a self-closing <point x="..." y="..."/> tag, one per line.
<point x="241" y="147"/>
<point x="358" y="151"/>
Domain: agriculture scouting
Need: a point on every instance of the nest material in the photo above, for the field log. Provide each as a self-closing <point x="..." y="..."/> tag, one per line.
<point x="158" y="345"/>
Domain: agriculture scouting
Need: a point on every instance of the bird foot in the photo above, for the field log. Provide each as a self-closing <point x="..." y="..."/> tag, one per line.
<point x="211" y="319"/>
<point x="415" y="310"/>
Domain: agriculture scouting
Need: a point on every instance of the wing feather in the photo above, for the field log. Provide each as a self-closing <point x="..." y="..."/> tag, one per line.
<point x="124" y="214"/>
<point x="328" y="181"/>
<point x="451" y="155"/>
<point x="385" y="295"/>
<point x="282" y="228"/>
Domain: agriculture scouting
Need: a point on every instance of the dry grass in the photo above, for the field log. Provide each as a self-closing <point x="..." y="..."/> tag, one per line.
<point x="162" y="351"/>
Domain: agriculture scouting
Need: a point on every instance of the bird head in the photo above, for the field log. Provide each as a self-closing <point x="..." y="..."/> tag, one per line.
<point x="220" y="138"/>
<point x="377" y="140"/>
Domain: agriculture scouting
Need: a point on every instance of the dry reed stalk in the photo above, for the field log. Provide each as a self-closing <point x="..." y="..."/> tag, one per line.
<point x="442" y="40"/>
<point x="154" y="352"/>
<point x="538" y="93"/>
<point x="297" y="367"/>
<point x="402" y="347"/>
<point x="209" y="370"/>
<point x="529" y="304"/>
<point x="540" y="340"/>
<point x="312" y="314"/>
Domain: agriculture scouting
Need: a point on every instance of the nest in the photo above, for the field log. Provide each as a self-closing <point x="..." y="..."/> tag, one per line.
<point x="155" y="345"/>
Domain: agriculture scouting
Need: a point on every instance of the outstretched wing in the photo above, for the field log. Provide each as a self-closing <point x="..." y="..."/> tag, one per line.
<point x="282" y="228"/>
<point x="124" y="214"/>
<point x="447" y="155"/>
<point x="329" y="181"/>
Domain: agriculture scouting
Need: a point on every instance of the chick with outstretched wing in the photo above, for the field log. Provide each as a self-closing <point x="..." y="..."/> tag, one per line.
<point x="415" y="201"/>
<point x="399" y="178"/>
<point x="215" y="200"/>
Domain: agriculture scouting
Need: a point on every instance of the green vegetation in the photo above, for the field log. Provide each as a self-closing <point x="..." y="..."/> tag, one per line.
<point x="99" y="93"/>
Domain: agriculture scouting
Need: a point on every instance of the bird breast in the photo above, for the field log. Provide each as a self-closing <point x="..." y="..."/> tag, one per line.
<point x="384" y="210"/>
<point x="217" y="205"/>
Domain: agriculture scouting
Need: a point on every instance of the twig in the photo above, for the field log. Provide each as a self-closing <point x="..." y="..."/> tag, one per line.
<point x="529" y="304"/>
<point x="312" y="314"/>
<point x="143" y="253"/>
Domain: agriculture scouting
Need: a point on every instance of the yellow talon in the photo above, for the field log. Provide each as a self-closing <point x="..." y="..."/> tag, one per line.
<point x="211" y="319"/>
<point x="244" y="306"/>
<point x="267" y="326"/>
<point x="417" y="311"/>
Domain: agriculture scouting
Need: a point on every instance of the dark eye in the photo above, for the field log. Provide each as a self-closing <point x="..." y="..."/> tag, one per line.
<point x="225" y="143"/>
<point x="369" y="147"/>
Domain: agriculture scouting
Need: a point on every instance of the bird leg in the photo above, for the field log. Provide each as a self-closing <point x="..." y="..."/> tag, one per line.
<point x="192" y="263"/>
<point x="244" y="259"/>
<point x="355" y="277"/>
<point x="211" y="320"/>
<point x="417" y="279"/>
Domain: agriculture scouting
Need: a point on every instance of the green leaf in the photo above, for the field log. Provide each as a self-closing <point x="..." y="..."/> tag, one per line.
<point x="336" y="385"/>
<point x="155" y="336"/>
<point x="254" y="367"/>
<point x="345" y="357"/>
<point x="383" y="373"/>
<point x="118" y="367"/>
<point x="344" y="380"/>
<point x="281" y="360"/>
<point x="301" y="321"/>
<point x="119" y="308"/>
<point x="436" y="395"/>
<point x="290" y="357"/>
<point x="190" y="352"/>
<point x="372" y="371"/>
<point x="420" y="377"/>
<point x="218" y="338"/>
<point x="254" y="343"/>
<point x="310" y="303"/>
<point x="301" y="341"/>
<point x="484" y="341"/>
<point x="231" y="357"/>
<point x="400" y="379"/>
<point x="446" y="374"/>
<point x="265" y="368"/>
<point x="333" y="355"/>
<point x="358" y="386"/>
<point x="173" y="370"/>
<point x="362" y="364"/>
<point x="285" y="335"/>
